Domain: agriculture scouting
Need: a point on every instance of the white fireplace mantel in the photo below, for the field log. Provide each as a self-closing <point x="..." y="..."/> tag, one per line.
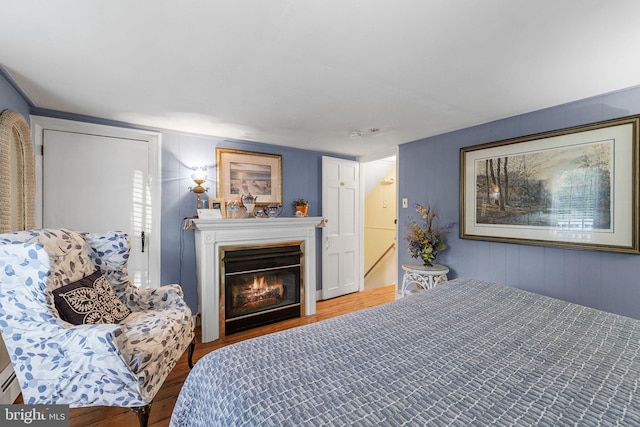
<point x="212" y="234"/>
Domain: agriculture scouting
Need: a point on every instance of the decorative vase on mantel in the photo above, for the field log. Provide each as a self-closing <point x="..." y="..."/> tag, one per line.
<point x="249" y="203"/>
<point x="301" y="207"/>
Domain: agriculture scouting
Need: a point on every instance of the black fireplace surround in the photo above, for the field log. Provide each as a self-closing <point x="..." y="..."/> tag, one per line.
<point x="260" y="285"/>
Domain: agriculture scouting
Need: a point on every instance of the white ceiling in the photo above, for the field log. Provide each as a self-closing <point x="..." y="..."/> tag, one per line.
<point x="305" y="73"/>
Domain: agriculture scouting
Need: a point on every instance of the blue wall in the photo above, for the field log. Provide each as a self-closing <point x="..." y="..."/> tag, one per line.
<point x="11" y="98"/>
<point x="429" y="174"/>
<point x="301" y="176"/>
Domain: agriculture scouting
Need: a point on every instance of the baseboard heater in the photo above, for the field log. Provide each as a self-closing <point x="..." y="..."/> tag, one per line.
<point x="9" y="387"/>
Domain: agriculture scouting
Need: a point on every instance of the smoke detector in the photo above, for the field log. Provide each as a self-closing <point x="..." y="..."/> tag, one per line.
<point x="356" y="134"/>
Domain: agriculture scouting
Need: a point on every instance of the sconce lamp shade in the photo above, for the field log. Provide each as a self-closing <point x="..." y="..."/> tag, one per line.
<point x="199" y="176"/>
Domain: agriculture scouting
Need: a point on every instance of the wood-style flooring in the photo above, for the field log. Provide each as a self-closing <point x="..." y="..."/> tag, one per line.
<point x="166" y="398"/>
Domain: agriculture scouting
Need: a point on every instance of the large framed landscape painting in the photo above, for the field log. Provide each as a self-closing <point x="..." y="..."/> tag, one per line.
<point x="574" y="188"/>
<point x="245" y="172"/>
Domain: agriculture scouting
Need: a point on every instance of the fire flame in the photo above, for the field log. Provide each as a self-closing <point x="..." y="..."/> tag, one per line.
<point x="260" y="289"/>
<point x="256" y="294"/>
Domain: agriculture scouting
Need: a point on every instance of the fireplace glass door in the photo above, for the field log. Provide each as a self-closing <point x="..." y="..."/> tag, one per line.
<point x="261" y="285"/>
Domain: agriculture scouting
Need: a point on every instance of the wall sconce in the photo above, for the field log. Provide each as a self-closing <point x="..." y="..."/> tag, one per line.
<point x="199" y="176"/>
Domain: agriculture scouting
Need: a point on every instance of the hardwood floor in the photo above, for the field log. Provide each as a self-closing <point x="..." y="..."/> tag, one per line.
<point x="166" y="398"/>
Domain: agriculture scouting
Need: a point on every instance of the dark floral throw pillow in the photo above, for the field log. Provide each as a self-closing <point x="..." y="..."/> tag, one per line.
<point x="90" y="300"/>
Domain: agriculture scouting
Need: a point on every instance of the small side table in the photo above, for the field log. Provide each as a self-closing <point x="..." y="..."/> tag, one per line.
<point x="423" y="275"/>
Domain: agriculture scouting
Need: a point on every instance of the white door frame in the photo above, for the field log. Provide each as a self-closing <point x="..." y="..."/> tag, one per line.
<point x="39" y="124"/>
<point x="370" y="158"/>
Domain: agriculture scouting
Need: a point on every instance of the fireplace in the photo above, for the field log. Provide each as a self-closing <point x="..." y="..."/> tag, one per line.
<point x="260" y="284"/>
<point x="211" y="235"/>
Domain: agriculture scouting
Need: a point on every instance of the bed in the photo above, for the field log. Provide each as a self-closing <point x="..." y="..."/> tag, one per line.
<point x="467" y="352"/>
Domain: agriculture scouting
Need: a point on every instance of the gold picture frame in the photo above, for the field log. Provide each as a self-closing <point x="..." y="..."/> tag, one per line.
<point x="573" y="188"/>
<point x="243" y="172"/>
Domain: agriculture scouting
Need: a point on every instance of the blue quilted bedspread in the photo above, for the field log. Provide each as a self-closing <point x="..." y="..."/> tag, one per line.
<point x="464" y="353"/>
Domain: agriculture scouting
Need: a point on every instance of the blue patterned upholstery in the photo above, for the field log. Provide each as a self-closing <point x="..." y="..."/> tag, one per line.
<point x="87" y="365"/>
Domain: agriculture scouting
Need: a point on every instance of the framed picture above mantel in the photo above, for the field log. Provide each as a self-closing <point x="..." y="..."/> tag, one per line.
<point x="573" y="188"/>
<point x="245" y="172"/>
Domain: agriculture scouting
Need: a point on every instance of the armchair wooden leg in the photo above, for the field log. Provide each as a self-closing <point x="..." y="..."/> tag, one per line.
<point x="143" y="414"/>
<point x="192" y="347"/>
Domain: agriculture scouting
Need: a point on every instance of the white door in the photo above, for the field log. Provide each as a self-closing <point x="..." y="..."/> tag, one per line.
<point x="99" y="180"/>
<point x="341" y="261"/>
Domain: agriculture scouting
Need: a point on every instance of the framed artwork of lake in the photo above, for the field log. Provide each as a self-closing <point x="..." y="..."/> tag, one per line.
<point x="574" y="188"/>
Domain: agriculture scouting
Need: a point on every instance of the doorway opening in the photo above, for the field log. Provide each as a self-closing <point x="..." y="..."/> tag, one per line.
<point x="380" y="222"/>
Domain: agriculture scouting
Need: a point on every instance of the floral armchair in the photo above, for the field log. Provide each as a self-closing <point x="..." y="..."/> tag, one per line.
<point x="105" y="364"/>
